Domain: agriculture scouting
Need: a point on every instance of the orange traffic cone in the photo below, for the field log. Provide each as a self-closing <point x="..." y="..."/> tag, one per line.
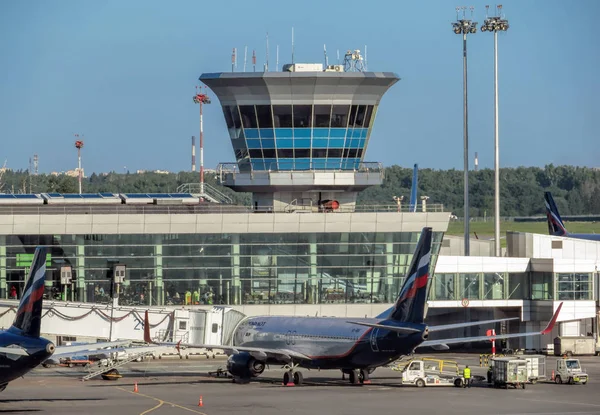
<point x="135" y="387"/>
<point x="200" y="401"/>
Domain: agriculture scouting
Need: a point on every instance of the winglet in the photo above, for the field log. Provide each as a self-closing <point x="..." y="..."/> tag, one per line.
<point x="147" y="337"/>
<point x="552" y="322"/>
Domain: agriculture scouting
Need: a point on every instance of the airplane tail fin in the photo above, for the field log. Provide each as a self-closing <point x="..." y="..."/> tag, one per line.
<point x="556" y="226"/>
<point x="29" y="315"/>
<point x="410" y="305"/>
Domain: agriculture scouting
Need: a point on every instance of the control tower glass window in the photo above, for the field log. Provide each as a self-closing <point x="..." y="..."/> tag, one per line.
<point x="322" y="116"/>
<point x="248" y="116"/>
<point x="282" y="116"/>
<point x="265" y="118"/>
<point x="339" y="116"/>
<point x="368" y="115"/>
<point x="302" y="116"/>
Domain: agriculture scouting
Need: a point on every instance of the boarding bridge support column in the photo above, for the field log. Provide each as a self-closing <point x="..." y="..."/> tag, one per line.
<point x="235" y="290"/>
<point x="80" y="261"/>
<point x="389" y="269"/>
<point x="159" y="289"/>
<point x="313" y="278"/>
<point x="3" y="290"/>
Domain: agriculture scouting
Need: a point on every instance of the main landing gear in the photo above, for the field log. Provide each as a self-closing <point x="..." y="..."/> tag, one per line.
<point x="292" y="377"/>
<point x="358" y="376"/>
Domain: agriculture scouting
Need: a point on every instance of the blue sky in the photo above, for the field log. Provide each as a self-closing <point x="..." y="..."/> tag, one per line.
<point x="123" y="74"/>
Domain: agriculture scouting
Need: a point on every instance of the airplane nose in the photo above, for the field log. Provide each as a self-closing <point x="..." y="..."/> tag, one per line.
<point x="50" y="348"/>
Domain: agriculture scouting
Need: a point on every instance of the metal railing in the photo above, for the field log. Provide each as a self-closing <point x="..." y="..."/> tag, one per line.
<point x="190" y="209"/>
<point x="210" y="191"/>
<point x="232" y="169"/>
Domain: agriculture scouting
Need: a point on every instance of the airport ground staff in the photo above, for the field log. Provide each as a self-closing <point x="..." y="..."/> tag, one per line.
<point x="467" y="377"/>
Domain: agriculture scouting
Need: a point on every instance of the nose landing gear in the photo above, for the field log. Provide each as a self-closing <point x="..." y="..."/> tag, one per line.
<point x="292" y="377"/>
<point x="359" y="377"/>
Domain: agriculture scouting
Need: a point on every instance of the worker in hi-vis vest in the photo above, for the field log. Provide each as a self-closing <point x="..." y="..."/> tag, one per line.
<point x="467" y="377"/>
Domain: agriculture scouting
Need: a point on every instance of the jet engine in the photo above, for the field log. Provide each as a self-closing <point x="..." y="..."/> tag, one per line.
<point x="243" y="365"/>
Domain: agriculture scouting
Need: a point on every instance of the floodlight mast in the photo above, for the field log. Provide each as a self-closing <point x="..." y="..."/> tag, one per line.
<point x="465" y="26"/>
<point x="495" y="24"/>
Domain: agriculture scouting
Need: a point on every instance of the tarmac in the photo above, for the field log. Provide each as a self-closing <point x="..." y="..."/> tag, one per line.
<point x="175" y="386"/>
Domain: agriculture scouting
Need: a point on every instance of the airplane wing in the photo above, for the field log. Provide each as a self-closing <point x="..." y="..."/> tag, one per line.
<point x="14" y="351"/>
<point x="467" y="324"/>
<point x="257" y="352"/>
<point x="405" y="330"/>
<point x="69" y="350"/>
<point x="445" y="342"/>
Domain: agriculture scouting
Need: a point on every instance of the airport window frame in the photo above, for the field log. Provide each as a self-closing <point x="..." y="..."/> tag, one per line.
<point x="569" y="286"/>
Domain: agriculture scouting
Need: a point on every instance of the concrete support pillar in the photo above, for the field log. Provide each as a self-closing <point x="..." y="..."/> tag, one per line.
<point x="313" y="277"/>
<point x="3" y="285"/>
<point x="388" y="281"/>
<point x="80" y="268"/>
<point x="235" y="291"/>
<point x="158" y="286"/>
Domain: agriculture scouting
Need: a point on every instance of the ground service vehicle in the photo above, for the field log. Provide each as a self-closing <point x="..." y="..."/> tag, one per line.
<point x="574" y="346"/>
<point x="509" y="371"/>
<point x="570" y="371"/>
<point x="431" y="372"/>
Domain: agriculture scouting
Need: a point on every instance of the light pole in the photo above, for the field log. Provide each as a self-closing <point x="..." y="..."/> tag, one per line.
<point x="495" y="24"/>
<point x="465" y="26"/>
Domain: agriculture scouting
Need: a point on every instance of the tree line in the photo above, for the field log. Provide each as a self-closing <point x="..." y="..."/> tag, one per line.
<point x="576" y="190"/>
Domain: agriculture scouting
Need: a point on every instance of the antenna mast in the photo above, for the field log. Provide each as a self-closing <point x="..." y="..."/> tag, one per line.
<point x="325" y="52"/>
<point x="254" y="60"/>
<point x="232" y="60"/>
<point x="267" y="63"/>
<point x="245" y="56"/>
<point x="277" y="59"/>
<point x="292" y="44"/>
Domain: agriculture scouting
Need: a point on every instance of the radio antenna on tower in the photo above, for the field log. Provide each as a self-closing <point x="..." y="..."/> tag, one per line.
<point x="267" y="59"/>
<point x="245" y="56"/>
<point x="325" y="52"/>
<point x="254" y="60"/>
<point x="277" y="59"/>
<point x="232" y="60"/>
<point x="292" y="44"/>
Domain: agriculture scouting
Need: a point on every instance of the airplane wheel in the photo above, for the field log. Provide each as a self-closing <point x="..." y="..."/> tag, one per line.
<point x="363" y="376"/>
<point x="298" y="378"/>
<point x="286" y="378"/>
<point x="354" y="377"/>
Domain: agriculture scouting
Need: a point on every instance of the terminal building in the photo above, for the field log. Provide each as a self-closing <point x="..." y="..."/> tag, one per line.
<point x="304" y="246"/>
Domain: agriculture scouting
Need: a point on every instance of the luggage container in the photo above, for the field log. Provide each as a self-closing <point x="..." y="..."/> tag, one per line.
<point x="509" y="371"/>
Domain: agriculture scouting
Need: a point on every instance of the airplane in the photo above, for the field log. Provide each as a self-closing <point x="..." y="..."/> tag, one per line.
<point x="556" y="227"/>
<point x="21" y="347"/>
<point x="354" y="346"/>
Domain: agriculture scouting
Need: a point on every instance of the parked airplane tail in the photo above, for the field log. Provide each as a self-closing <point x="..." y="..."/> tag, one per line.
<point x="556" y="226"/>
<point x="410" y="305"/>
<point x="29" y="315"/>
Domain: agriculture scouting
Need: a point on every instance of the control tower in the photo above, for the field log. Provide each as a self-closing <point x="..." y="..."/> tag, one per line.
<point x="300" y="135"/>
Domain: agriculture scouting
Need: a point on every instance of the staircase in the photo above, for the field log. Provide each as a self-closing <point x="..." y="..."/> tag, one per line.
<point x="210" y="193"/>
<point x="116" y="363"/>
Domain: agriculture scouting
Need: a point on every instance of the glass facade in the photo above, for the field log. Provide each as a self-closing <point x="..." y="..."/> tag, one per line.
<point x="220" y="268"/>
<point x="574" y="286"/>
<point x="299" y="137"/>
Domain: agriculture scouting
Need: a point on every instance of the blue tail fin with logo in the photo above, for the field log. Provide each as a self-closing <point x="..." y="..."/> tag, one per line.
<point x="29" y="315"/>
<point x="410" y="305"/>
<point x="556" y="226"/>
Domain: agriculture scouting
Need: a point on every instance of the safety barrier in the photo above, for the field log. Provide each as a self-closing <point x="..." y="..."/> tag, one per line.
<point x="484" y="359"/>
